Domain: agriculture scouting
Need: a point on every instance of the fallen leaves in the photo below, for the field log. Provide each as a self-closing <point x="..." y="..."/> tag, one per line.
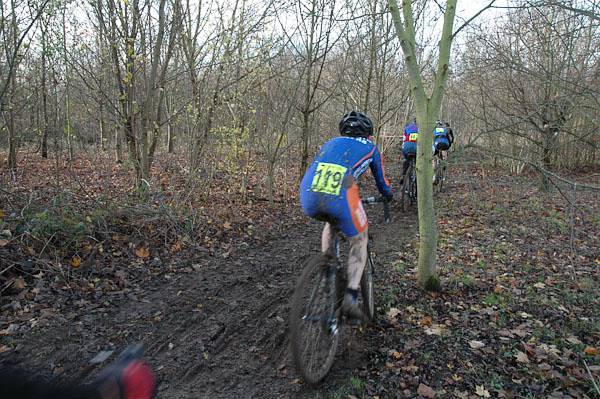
<point x="521" y="357"/>
<point x="591" y="351"/>
<point x="436" y="329"/>
<point x="3" y="242"/>
<point x="176" y="247"/>
<point x="482" y="392"/>
<point x="142" y="252"/>
<point x="426" y="391"/>
<point x="19" y="284"/>
<point x="476" y="344"/>
<point x="392" y="314"/>
<point x="75" y="261"/>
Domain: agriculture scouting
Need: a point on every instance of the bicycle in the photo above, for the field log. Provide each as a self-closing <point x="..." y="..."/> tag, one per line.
<point x="315" y="315"/>
<point x="440" y="170"/>
<point x="409" y="186"/>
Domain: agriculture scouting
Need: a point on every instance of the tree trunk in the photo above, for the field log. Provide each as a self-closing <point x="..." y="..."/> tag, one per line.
<point x="305" y="139"/>
<point x="101" y="127"/>
<point x="67" y="127"/>
<point x="118" y="145"/>
<point x="372" y="56"/>
<point x="428" y="109"/>
<point x="46" y="127"/>
<point x="12" y="139"/>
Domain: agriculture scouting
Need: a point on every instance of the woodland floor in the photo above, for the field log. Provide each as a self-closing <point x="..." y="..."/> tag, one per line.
<point x="207" y="292"/>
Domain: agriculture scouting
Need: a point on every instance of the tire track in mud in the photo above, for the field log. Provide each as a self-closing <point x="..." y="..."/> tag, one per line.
<point x="243" y="324"/>
<point x="237" y="344"/>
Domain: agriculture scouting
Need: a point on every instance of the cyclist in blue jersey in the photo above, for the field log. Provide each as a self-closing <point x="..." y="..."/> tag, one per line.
<point x="409" y="145"/>
<point x="442" y="137"/>
<point x="329" y="192"/>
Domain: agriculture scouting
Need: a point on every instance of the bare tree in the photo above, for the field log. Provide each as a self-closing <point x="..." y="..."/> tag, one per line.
<point x="428" y="109"/>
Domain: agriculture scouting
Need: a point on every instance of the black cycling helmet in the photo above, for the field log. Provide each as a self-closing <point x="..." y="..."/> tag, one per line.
<point x="356" y="123"/>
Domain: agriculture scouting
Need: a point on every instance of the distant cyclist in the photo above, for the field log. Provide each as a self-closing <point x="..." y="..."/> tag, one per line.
<point x="329" y="192"/>
<point x="443" y="137"/>
<point x="128" y="378"/>
<point x="409" y="145"/>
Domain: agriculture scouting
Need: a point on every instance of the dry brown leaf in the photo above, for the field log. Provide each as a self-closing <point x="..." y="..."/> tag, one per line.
<point x="476" y="344"/>
<point x="426" y="321"/>
<point x="176" y="247"/>
<point x="227" y="225"/>
<point x="425" y="391"/>
<point x="1" y="213"/>
<point x="521" y="357"/>
<point x="590" y="350"/>
<point x="392" y="313"/>
<point x="142" y="252"/>
<point x="435" y="329"/>
<point x="574" y="340"/>
<point x="396" y="354"/>
<point x="482" y="392"/>
<point x="3" y="242"/>
<point x="75" y="261"/>
<point x="19" y="283"/>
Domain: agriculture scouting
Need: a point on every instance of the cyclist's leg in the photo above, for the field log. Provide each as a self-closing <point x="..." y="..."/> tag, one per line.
<point x="357" y="258"/>
<point x="354" y="224"/>
<point x="326" y="237"/>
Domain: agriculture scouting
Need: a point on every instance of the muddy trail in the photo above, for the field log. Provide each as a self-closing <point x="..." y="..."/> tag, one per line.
<point x="517" y="316"/>
<point x="213" y="325"/>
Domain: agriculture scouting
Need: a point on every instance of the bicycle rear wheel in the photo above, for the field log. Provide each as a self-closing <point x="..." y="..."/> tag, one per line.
<point x="443" y="174"/>
<point x="314" y="320"/>
<point x="367" y="288"/>
<point x="440" y="174"/>
<point x="408" y="188"/>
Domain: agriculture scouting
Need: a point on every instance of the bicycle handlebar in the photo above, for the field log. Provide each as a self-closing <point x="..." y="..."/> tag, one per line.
<point x="386" y="206"/>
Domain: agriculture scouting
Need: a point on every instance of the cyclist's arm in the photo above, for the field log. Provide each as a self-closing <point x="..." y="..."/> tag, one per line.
<point x="377" y="168"/>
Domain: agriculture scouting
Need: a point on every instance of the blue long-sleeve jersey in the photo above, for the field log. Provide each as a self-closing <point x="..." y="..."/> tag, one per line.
<point x="354" y="155"/>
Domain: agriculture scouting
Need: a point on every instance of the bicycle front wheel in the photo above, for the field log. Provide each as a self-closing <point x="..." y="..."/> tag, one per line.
<point x="314" y="320"/>
<point x="367" y="289"/>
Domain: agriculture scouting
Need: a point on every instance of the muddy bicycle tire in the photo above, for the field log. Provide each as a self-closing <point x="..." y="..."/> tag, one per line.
<point x="367" y="289"/>
<point x="440" y="175"/>
<point x="314" y="320"/>
<point x="408" y="188"/>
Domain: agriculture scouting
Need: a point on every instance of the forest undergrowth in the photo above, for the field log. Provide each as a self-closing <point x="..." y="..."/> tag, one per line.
<point x="207" y="269"/>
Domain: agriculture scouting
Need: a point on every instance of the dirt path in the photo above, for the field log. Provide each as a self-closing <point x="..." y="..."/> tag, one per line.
<point x="213" y="326"/>
<point x="237" y="345"/>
